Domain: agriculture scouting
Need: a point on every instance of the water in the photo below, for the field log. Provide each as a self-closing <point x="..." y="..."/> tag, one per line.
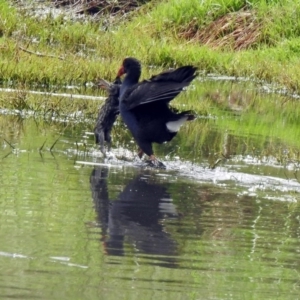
<point x="76" y="226"/>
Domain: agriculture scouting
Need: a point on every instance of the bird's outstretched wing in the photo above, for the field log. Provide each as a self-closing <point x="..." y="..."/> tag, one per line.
<point x="163" y="87"/>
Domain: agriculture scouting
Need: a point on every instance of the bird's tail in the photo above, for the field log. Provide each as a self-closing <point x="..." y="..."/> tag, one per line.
<point x="177" y="121"/>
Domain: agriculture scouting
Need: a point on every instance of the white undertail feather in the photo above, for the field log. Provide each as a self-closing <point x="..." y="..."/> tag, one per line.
<point x="174" y="126"/>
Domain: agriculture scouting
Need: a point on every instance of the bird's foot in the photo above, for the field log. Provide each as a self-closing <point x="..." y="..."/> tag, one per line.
<point x="155" y="163"/>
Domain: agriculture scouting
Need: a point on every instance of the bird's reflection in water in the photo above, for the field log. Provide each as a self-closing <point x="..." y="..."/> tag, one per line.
<point x="135" y="217"/>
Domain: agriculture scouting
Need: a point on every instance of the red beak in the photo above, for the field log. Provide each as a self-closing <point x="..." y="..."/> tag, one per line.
<point x="121" y="72"/>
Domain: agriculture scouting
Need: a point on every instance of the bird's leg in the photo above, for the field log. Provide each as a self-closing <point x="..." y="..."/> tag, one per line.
<point x="146" y="147"/>
<point x="99" y="139"/>
<point x="152" y="157"/>
<point x="108" y="139"/>
<point x="140" y="153"/>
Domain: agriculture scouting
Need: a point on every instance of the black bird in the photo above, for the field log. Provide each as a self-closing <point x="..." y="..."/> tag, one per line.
<point x="108" y="113"/>
<point x="144" y="106"/>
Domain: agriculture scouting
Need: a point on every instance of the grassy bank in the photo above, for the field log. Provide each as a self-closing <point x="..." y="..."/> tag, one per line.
<point x="163" y="34"/>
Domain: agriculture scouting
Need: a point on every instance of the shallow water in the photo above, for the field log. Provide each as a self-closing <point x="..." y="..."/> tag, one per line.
<point x="77" y="226"/>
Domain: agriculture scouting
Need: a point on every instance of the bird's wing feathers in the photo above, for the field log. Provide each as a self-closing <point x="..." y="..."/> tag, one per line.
<point x="185" y="73"/>
<point x="163" y="87"/>
<point x="147" y="92"/>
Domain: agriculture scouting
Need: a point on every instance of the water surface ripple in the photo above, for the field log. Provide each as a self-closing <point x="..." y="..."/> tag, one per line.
<point x="77" y="226"/>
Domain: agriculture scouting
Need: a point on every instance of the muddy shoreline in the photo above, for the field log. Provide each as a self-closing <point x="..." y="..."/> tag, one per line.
<point x="75" y="9"/>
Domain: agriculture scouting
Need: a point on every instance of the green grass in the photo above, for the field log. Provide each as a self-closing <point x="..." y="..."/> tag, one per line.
<point x="151" y="35"/>
<point x="48" y="107"/>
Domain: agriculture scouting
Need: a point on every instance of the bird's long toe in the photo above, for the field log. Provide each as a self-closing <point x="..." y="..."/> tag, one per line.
<point x="155" y="163"/>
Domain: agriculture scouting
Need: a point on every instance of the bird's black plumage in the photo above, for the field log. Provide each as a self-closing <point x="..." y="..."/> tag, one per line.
<point x="108" y="113"/>
<point x="144" y="106"/>
<point x="162" y="87"/>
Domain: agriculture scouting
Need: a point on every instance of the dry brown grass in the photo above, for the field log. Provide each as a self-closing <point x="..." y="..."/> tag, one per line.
<point x="100" y="6"/>
<point x="237" y="30"/>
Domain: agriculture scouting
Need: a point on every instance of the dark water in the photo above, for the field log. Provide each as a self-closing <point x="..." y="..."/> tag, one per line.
<point x="75" y="226"/>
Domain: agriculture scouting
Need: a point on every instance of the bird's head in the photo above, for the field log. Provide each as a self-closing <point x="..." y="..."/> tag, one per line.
<point x="130" y="65"/>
